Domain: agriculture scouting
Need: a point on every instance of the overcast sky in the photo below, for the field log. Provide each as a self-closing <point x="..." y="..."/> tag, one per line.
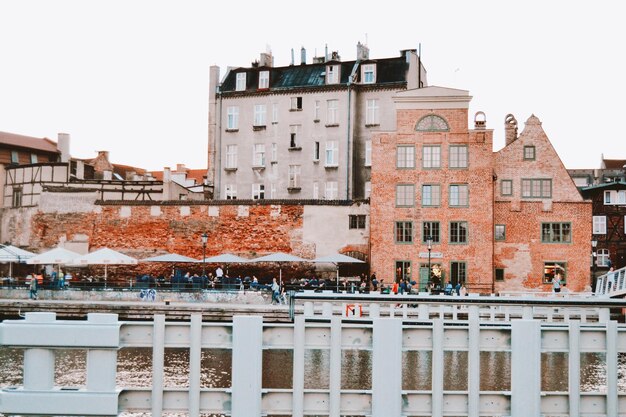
<point x="131" y="77"/>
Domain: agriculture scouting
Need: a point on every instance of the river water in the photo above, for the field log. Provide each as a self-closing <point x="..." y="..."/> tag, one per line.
<point x="134" y="370"/>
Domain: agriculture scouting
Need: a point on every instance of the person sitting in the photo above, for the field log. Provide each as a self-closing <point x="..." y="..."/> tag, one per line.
<point x="448" y="289"/>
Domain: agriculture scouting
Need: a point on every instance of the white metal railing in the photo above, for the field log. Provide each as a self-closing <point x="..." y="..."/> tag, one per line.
<point x="386" y="340"/>
<point x="612" y="283"/>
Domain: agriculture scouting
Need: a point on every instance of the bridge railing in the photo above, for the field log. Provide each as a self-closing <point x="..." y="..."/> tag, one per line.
<point x="407" y="360"/>
<point x="612" y="283"/>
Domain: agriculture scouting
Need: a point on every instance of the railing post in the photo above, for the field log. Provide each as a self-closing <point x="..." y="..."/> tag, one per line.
<point x="387" y="367"/>
<point x="525" y="368"/>
<point x="335" y="367"/>
<point x="437" y="370"/>
<point x="308" y="309"/>
<point x="611" y="369"/>
<point x="574" y="368"/>
<point x="247" y="366"/>
<point x="101" y="363"/>
<point x="195" y="356"/>
<point x="374" y="310"/>
<point x="298" y="366"/>
<point x="39" y="362"/>
<point x="158" y="359"/>
<point x="473" y="371"/>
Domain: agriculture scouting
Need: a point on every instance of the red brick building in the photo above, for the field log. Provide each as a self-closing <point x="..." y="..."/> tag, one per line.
<point x="497" y="221"/>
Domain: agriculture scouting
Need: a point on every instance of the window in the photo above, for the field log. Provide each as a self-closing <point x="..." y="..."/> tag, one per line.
<point x="599" y="225"/>
<point x="368" y="153"/>
<point x="241" y="81"/>
<point x="506" y="187"/>
<point x="330" y="190"/>
<point x="332" y="153"/>
<point x="316" y="191"/>
<point x="294" y="176"/>
<point x="372" y="117"/>
<point x="552" y="268"/>
<point x="432" y="156"/>
<point x="296" y="103"/>
<point x="230" y="191"/>
<point x="603" y="258"/>
<point x="615" y="197"/>
<point x="500" y="232"/>
<point x="259" y="114"/>
<point x="232" y="118"/>
<point x="556" y="232"/>
<point x="275" y="113"/>
<point x="316" y="151"/>
<point x="529" y="153"/>
<point x="499" y="274"/>
<point x="293" y="136"/>
<point x="316" y="111"/>
<point x="356" y="221"/>
<point x="332" y="74"/>
<point x="536" y="188"/>
<point x="403" y="270"/>
<point x="369" y="74"/>
<point x="430" y="229"/>
<point x="33" y="158"/>
<point x="459" y="195"/>
<point x="405" y="195"/>
<point x="404" y="232"/>
<point x="258" y="192"/>
<point x="405" y="156"/>
<point x="458" y="156"/>
<point x="458" y="272"/>
<point x="264" y="79"/>
<point x="458" y="232"/>
<point x="17" y="197"/>
<point x="431" y="195"/>
<point x="332" y="117"/>
<point x="274" y="152"/>
<point x="368" y="189"/>
<point x="15" y="157"/>
<point x="432" y="123"/>
<point x="258" y="158"/>
<point x="231" y="156"/>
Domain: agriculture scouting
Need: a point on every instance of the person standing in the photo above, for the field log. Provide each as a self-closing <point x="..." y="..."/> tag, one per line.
<point x="219" y="273"/>
<point x="32" y="294"/>
<point x="275" y="291"/>
<point x="556" y="283"/>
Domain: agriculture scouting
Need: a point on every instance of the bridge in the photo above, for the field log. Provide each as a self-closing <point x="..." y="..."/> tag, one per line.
<point x="386" y="329"/>
<point x="612" y="284"/>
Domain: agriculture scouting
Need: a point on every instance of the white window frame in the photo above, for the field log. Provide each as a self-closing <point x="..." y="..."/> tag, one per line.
<point x="230" y="191"/>
<point x="431" y="156"/>
<point x="599" y="225"/>
<point x="260" y="114"/>
<point x="258" y="155"/>
<point x="331" y="156"/>
<point x="602" y="258"/>
<point x="367" y="192"/>
<point x="231" y="156"/>
<point x="372" y="113"/>
<point x="294" y="176"/>
<point x="368" y="152"/>
<point x="296" y="103"/>
<point x="614" y="197"/>
<point x="405" y="156"/>
<point x="316" y="151"/>
<point x="331" y="190"/>
<point x="431" y="195"/>
<point x="258" y="191"/>
<point x="15" y="157"/>
<point x="368" y="74"/>
<point x="316" y="111"/>
<point x="405" y="195"/>
<point x="232" y="117"/>
<point x="33" y="158"/>
<point x="459" y="156"/>
<point x="332" y="74"/>
<point x="459" y="195"/>
<point x="240" y="84"/>
<point x="264" y="80"/>
<point x="332" y="112"/>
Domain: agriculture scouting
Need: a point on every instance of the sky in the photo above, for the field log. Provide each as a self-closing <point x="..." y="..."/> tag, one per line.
<point x="131" y="77"/>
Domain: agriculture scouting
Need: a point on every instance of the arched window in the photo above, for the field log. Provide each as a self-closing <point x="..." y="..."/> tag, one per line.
<point x="432" y="123"/>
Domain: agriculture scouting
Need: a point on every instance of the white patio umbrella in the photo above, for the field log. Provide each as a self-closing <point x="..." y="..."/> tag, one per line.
<point x="336" y="259"/>
<point x="10" y="254"/>
<point x="56" y="256"/>
<point x="105" y="256"/>
<point x="280" y="258"/>
<point x="170" y="257"/>
<point x="225" y="258"/>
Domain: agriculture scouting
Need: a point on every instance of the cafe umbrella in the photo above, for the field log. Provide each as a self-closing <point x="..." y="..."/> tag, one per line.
<point x="105" y="256"/>
<point x="280" y="258"/>
<point x="337" y="259"/>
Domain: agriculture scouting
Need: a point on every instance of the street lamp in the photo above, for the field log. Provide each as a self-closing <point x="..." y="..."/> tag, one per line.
<point x="429" y="242"/>
<point x="594" y="243"/>
<point x="204" y="238"/>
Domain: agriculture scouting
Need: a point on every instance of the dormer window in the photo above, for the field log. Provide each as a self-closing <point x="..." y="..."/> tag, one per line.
<point x="264" y="80"/>
<point x="241" y="82"/>
<point x="332" y="74"/>
<point x="368" y="74"/>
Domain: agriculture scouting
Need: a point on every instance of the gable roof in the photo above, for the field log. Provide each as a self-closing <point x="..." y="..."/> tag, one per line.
<point x="28" y="142"/>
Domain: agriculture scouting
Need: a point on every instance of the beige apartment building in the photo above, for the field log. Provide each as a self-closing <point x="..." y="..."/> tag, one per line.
<point x="303" y="131"/>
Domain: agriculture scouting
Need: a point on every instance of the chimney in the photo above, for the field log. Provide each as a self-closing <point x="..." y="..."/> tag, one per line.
<point x="167" y="175"/>
<point x="326" y="53"/>
<point x="362" y="52"/>
<point x="63" y="145"/>
<point x="181" y="168"/>
<point x="335" y="56"/>
<point x="107" y="175"/>
<point x="510" y="129"/>
<point x="302" y="56"/>
<point x="266" y="59"/>
<point x="480" y="121"/>
<point x="292" y="56"/>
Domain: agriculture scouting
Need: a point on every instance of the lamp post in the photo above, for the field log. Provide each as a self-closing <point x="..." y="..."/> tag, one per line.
<point x="429" y="242"/>
<point x="594" y="243"/>
<point x="204" y="238"/>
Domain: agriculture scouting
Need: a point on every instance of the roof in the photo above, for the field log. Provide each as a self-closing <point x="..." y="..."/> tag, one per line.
<point x="389" y="71"/>
<point x="29" y="142"/>
<point x="196" y="174"/>
<point x="614" y="163"/>
<point x="613" y="184"/>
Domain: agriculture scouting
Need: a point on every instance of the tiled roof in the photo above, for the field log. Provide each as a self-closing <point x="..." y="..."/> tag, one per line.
<point x="41" y="144"/>
<point x="388" y="70"/>
<point x="614" y="163"/>
<point x="196" y="174"/>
